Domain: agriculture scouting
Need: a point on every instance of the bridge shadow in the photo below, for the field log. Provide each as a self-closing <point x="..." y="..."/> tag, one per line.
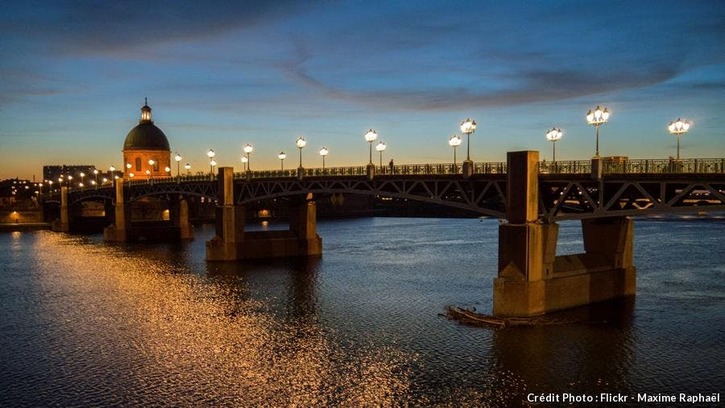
<point x="285" y="288"/>
<point x="590" y="357"/>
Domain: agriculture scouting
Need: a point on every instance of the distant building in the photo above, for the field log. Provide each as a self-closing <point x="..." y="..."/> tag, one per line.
<point x="14" y="192"/>
<point x="146" y="152"/>
<point x="63" y="174"/>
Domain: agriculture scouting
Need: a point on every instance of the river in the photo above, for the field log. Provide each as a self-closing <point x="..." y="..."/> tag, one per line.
<point x="85" y="323"/>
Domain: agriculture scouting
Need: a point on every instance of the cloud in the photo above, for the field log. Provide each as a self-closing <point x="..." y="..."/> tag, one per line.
<point x="82" y="27"/>
<point x="501" y="56"/>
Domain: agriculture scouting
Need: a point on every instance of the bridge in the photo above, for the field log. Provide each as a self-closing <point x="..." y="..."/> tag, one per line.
<point x="529" y="196"/>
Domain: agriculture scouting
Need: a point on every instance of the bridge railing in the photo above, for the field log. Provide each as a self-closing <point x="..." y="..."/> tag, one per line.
<point x="622" y="165"/>
<point x="611" y="165"/>
<point x="399" y="169"/>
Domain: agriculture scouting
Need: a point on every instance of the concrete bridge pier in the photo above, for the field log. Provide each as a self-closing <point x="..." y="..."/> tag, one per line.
<point x="532" y="280"/>
<point x="180" y="217"/>
<point x="118" y="231"/>
<point x="232" y="243"/>
<point x="63" y="223"/>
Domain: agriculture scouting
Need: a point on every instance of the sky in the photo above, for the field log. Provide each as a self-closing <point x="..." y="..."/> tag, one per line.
<point x="219" y="75"/>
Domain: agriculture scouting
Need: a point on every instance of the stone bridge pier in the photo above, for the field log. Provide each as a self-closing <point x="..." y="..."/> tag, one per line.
<point x="532" y="279"/>
<point x="231" y="242"/>
<point x="122" y="229"/>
<point x="62" y="224"/>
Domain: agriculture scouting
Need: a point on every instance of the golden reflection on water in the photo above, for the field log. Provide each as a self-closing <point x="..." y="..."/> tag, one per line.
<point x="179" y="338"/>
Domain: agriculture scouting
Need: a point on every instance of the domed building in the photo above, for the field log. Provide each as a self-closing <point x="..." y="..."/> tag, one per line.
<point x="146" y="152"/>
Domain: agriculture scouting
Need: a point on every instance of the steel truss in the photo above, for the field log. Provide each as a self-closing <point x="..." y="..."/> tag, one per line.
<point x="483" y="195"/>
<point x="572" y="196"/>
<point x="584" y="197"/>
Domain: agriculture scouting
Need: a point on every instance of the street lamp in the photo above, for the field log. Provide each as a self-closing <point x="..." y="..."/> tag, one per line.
<point x="248" y="149"/>
<point x="281" y="157"/>
<point x="553" y="136"/>
<point x="83" y="175"/>
<point x="212" y="163"/>
<point x="211" y="154"/>
<point x="677" y="128"/>
<point x="468" y="126"/>
<point x="187" y="166"/>
<point x="323" y="153"/>
<point x="597" y="118"/>
<point x="380" y="147"/>
<point x="178" y="166"/>
<point x="70" y="178"/>
<point x="301" y="142"/>
<point x="95" y="174"/>
<point x="454" y="141"/>
<point x="151" y="165"/>
<point x="245" y="160"/>
<point x="370" y="137"/>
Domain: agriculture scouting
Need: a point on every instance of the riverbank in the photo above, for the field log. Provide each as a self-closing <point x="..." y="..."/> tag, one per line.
<point x="25" y="226"/>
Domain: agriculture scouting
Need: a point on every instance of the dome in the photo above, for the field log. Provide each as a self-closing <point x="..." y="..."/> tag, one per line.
<point x="146" y="136"/>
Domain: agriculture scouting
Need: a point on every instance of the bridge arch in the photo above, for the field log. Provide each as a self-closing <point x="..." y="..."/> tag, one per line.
<point x="484" y="197"/>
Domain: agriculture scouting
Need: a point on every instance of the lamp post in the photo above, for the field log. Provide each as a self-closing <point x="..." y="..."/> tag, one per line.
<point x="212" y="163"/>
<point x="596" y="118"/>
<point x="95" y="174"/>
<point x="380" y="147"/>
<point x="677" y="128"/>
<point x="211" y="154"/>
<point x="281" y="156"/>
<point x="83" y="175"/>
<point x="301" y="142"/>
<point x="370" y="137"/>
<point x="553" y="136"/>
<point x="323" y="153"/>
<point x="248" y="150"/>
<point x="468" y="126"/>
<point x="111" y="173"/>
<point x="187" y="166"/>
<point x="454" y="141"/>
<point x="178" y="166"/>
<point x="70" y="178"/>
<point x="245" y="160"/>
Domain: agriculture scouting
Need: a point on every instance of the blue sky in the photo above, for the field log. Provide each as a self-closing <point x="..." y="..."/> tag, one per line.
<point x="73" y="76"/>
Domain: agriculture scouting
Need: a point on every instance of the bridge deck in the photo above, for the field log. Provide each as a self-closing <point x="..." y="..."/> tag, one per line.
<point x="567" y="190"/>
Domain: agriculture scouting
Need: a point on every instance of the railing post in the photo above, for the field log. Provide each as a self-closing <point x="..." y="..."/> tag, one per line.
<point x="597" y="167"/>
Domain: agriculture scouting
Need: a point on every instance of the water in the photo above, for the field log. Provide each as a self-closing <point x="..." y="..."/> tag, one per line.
<point x="84" y="323"/>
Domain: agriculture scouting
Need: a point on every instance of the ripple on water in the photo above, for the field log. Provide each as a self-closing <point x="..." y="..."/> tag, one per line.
<point x="85" y="323"/>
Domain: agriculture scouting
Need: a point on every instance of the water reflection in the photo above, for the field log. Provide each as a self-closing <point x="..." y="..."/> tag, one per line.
<point x="127" y="325"/>
<point x="589" y="357"/>
<point x="86" y="323"/>
<point x="288" y="286"/>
